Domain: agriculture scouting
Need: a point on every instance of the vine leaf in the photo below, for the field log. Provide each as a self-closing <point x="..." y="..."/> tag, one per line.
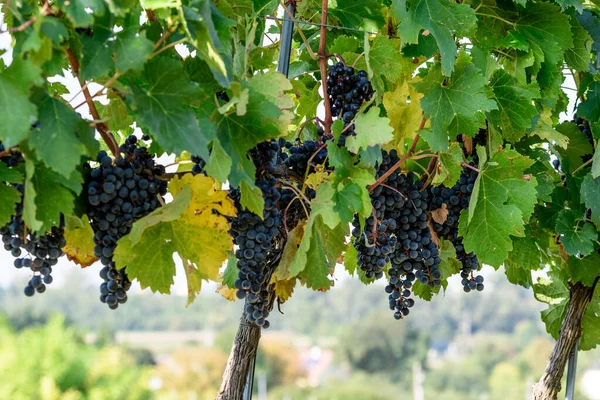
<point x="584" y="270"/>
<point x="590" y="194"/>
<point x="251" y="199"/>
<point x="403" y="107"/>
<point x="524" y="258"/>
<point x="590" y="108"/>
<point x="16" y="111"/>
<point x="441" y="18"/>
<point x="578" y="146"/>
<point x="57" y="139"/>
<point x="76" y="10"/>
<point x="544" y="25"/>
<point x="590" y="335"/>
<point x="54" y="195"/>
<point x="187" y="226"/>
<point x="361" y="13"/>
<point x="555" y="293"/>
<point x="371" y="130"/>
<point x="577" y="237"/>
<point x="456" y="106"/>
<point x="9" y="195"/>
<point x="578" y="56"/>
<point x="80" y="241"/>
<point x="544" y="129"/>
<point x="502" y="200"/>
<point x="448" y="167"/>
<point x="515" y="105"/>
<point x="162" y="98"/>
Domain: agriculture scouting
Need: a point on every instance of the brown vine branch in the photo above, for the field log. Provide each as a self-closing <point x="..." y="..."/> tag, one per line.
<point x="549" y="384"/>
<point x="101" y="127"/>
<point x="150" y="15"/>
<point x="107" y="85"/>
<point x="466" y="165"/>
<point x="323" y="67"/>
<point x="44" y="11"/>
<point x="405" y="157"/>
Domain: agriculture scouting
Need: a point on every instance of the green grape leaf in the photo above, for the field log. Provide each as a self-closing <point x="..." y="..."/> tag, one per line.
<point x="592" y="25"/>
<point x="385" y="59"/>
<point x="219" y="163"/>
<point x="187" y="226"/>
<point x="448" y="167"/>
<point x="515" y="105"/>
<point x="455" y="106"/>
<point x="56" y="138"/>
<point x="344" y="44"/>
<point x="371" y="130"/>
<point x="590" y="108"/>
<point x="76" y="10"/>
<point x="358" y="13"/>
<point x="10" y="197"/>
<point x="577" y="236"/>
<point x="347" y="201"/>
<point x="578" y="145"/>
<point x="230" y="275"/>
<point x="545" y="129"/>
<point x="503" y="199"/>
<point x="518" y="276"/>
<point x="158" y="4"/>
<point x="546" y="26"/>
<point x="80" y="241"/>
<point x="578" y="56"/>
<point x="586" y="269"/>
<point x="96" y="54"/>
<point x="263" y="120"/>
<point x="590" y="194"/>
<point x="131" y="49"/>
<point x="54" y="196"/>
<point x="555" y="293"/>
<point x="10" y="175"/>
<point x="524" y="258"/>
<point x="252" y="199"/>
<point x="16" y="112"/>
<point x="590" y="335"/>
<point x="442" y="18"/>
<point x="163" y="105"/>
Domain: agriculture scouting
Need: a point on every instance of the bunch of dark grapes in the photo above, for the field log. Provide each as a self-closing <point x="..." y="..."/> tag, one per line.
<point x="375" y="244"/>
<point x="256" y="239"/>
<point x="39" y="253"/>
<point x="348" y="90"/>
<point x="304" y="155"/>
<point x="12" y="159"/>
<point x="199" y="165"/>
<point x="584" y="126"/>
<point x="119" y="193"/>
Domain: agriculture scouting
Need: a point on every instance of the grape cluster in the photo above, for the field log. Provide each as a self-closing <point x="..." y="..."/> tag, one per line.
<point x="12" y="159"/>
<point x="256" y="239"/>
<point x="348" y="90"/>
<point x="199" y="165"/>
<point x="39" y="253"/>
<point x="584" y="126"/>
<point x="120" y="192"/>
<point x="302" y="155"/>
<point x="398" y="233"/>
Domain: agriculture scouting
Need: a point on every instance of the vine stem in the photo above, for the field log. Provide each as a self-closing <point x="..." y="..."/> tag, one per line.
<point x="405" y="157"/>
<point x="464" y="164"/>
<point x="323" y="67"/>
<point x="107" y="85"/>
<point x="101" y="126"/>
<point x="585" y="164"/>
<point x="549" y="385"/>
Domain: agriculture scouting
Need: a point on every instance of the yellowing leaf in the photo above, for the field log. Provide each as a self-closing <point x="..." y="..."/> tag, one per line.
<point x="80" y="241"/>
<point x="187" y="226"/>
<point x="227" y="293"/>
<point x="404" y="111"/>
<point x="284" y="289"/>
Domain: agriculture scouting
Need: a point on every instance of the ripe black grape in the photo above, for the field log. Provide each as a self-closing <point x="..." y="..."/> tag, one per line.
<point x="347" y="90"/>
<point x="120" y="192"/>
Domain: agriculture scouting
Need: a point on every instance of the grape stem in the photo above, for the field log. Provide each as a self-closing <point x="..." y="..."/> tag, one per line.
<point x="306" y="123"/>
<point x="45" y="11"/>
<point x="585" y="164"/>
<point x="165" y="37"/>
<point x="405" y="157"/>
<point x="464" y="164"/>
<point x="107" y="85"/>
<point x="8" y="152"/>
<point x="108" y="138"/>
<point x="304" y="39"/>
<point x="323" y="67"/>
